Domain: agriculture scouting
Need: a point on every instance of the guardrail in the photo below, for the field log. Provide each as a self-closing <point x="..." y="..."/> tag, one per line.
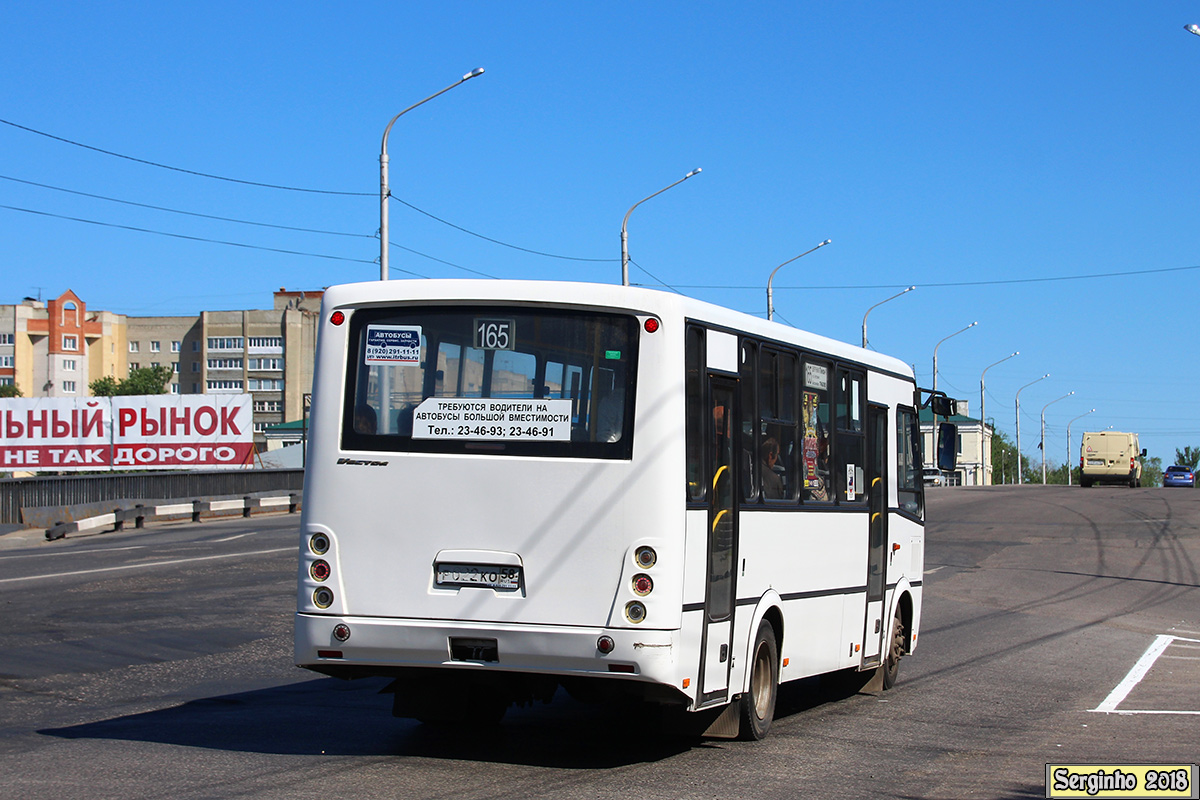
<point x="140" y="513"/>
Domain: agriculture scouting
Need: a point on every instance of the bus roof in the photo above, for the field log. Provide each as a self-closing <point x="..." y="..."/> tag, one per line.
<point x="598" y="295"/>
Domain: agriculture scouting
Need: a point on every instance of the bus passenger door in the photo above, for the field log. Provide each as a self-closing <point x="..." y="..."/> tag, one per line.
<point x="877" y="445"/>
<point x="719" y="601"/>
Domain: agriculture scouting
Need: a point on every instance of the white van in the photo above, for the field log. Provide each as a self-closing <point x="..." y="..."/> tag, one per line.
<point x="1110" y="457"/>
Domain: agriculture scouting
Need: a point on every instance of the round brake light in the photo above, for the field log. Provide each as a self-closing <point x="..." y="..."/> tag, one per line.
<point x="320" y="570"/>
<point x="642" y="585"/>
<point x="337" y="318"/>
<point x="651" y="325"/>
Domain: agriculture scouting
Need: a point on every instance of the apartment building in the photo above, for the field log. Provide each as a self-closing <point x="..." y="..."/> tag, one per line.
<point x="55" y="348"/>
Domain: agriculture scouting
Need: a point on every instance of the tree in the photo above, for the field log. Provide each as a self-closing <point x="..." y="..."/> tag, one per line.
<point x="1152" y="471"/>
<point x="144" y="380"/>
<point x="9" y="390"/>
<point x="1188" y="457"/>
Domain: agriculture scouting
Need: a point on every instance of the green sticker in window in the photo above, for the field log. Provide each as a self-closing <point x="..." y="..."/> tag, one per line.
<point x="612" y="355"/>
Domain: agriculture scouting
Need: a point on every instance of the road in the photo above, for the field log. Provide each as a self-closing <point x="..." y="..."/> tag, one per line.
<point x="157" y="663"/>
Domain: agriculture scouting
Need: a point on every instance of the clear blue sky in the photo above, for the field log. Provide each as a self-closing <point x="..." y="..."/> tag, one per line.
<point x="974" y="150"/>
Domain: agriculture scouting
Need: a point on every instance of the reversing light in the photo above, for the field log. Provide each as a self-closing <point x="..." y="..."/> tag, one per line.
<point x="605" y="645"/>
<point x="319" y="544"/>
<point x="635" y="612"/>
<point x="320" y="570"/>
<point x="642" y="585"/>
<point x="645" y="557"/>
<point x="341" y="631"/>
<point x="651" y="325"/>
<point x="337" y="318"/>
<point x="323" y="597"/>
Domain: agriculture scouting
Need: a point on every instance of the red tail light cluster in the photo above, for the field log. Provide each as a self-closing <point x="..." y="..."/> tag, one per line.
<point x="642" y="585"/>
<point x="320" y="570"/>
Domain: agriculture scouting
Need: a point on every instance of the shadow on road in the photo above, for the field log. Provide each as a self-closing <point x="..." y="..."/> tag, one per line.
<point x="332" y="717"/>
<point x="328" y="717"/>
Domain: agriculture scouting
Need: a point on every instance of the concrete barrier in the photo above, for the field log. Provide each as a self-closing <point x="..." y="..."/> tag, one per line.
<point x="139" y="513"/>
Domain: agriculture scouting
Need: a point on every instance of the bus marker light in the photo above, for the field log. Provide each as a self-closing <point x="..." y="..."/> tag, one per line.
<point x="651" y="325"/>
<point x="687" y="682"/>
<point x="642" y="585"/>
<point x="621" y="668"/>
<point x="785" y="661"/>
<point x="645" y="557"/>
<point x="635" y="612"/>
<point x="320" y="570"/>
<point x="329" y="654"/>
<point x="341" y="631"/>
<point x="605" y="645"/>
<point x="337" y="318"/>
<point x="323" y="597"/>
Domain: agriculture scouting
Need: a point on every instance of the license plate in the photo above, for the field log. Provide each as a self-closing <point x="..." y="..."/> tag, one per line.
<point x="1095" y="462"/>
<point x="485" y="575"/>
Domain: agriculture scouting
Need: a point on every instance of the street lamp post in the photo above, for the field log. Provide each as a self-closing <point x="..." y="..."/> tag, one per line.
<point x="939" y="344"/>
<point x="1021" y="472"/>
<point x="1052" y="402"/>
<point x="384" y="191"/>
<point x="1081" y="416"/>
<point x="770" y="296"/>
<point x="625" y="223"/>
<point x="869" y="310"/>
<point x="982" y="407"/>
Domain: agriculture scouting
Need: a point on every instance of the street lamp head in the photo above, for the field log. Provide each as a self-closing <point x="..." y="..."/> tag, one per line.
<point x="696" y="171"/>
<point x="475" y="73"/>
<point x="827" y="241"/>
<point x="1193" y="28"/>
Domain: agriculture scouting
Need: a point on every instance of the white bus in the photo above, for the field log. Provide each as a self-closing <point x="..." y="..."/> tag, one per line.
<point x="515" y="486"/>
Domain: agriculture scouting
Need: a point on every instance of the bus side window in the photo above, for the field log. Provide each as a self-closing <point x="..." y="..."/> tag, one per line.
<point x="814" y="426"/>
<point x="695" y="427"/>
<point x="909" y="480"/>
<point x="751" y="472"/>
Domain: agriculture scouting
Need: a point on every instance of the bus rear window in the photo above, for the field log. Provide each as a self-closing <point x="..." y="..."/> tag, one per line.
<point x="489" y="379"/>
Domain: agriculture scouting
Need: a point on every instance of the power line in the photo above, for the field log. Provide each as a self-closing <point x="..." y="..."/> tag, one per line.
<point x="296" y="189"/>
<point x="186" y="213"/>
<point x="201" y="239"/>
<point x="180" y="169"/>
<point x="239" y="221"/>
<point x="497" y="241"/>
<point x="964" y="283"/>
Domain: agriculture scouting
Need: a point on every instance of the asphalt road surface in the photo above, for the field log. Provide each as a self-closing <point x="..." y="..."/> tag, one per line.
<point x="1061" y="625"/>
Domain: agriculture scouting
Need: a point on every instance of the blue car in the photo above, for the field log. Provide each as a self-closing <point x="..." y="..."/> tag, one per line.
<point x="1179" y="476"/>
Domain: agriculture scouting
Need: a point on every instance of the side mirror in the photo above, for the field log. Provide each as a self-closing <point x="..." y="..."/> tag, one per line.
<point x="1143" y="452"/>
<point x="943" y="406"/>
<point x="947" y="447"/>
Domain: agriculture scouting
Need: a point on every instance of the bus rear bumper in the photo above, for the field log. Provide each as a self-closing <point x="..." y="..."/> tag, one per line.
<point x="380" y="646"/>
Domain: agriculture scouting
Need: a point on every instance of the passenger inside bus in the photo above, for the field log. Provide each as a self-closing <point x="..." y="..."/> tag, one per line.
<point x="772" y="483"/>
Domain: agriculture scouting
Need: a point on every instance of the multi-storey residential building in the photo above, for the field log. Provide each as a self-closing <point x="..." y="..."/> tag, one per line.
<point x="57" y="347"/>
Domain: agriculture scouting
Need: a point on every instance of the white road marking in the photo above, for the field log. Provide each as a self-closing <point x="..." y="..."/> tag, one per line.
<point x="74" y="552"/>
<point x="143" y="566"/>
<point x="1135" y="675"/>
<point x="238" y="536"/>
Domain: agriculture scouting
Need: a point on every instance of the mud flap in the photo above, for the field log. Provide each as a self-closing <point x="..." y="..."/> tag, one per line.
<point x="727" y="724"/>
<point x="874" y="684"/>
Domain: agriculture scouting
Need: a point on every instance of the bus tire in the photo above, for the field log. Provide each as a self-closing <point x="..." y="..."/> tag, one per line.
<point x="895" y="651"/>
<point x="758" y="704"/>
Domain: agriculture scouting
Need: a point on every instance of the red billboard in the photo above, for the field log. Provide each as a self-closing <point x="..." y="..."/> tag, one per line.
<point x="58" y="434"/>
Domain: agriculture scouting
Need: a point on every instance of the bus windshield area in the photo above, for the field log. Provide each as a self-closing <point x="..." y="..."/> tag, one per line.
<point x="511" y="380"/>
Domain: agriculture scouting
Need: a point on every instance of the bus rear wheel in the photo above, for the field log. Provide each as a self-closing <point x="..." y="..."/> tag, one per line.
<point x="758" y="704"/>
<point x="891" y="664"/>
